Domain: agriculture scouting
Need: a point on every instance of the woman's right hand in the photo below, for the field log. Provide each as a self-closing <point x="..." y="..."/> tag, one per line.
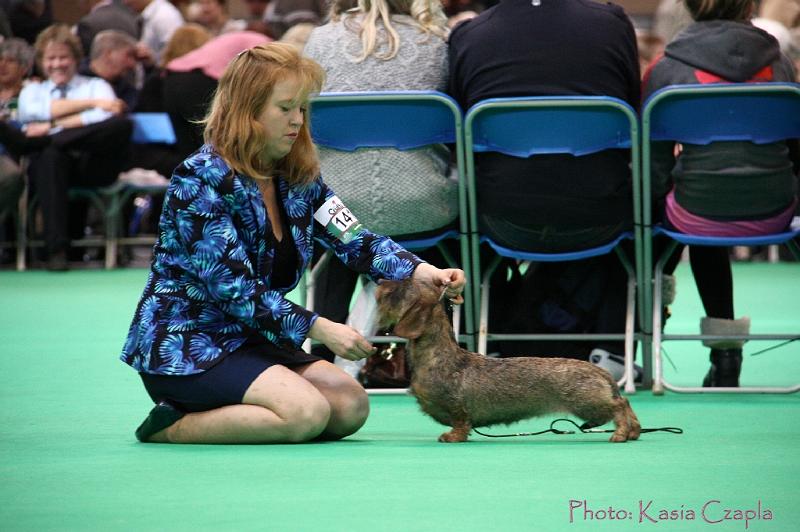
<point x="343" y="340"/>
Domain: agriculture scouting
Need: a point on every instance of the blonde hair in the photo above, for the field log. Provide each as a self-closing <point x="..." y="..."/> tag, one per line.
<point x="232" y="126"/>
<point x="58" y="34"/>
<point x="428" y="15"/>
<point x="739" y="10"/>
<point x="184" y="39"/>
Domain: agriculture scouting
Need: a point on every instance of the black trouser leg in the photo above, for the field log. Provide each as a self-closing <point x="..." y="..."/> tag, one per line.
<point x="711" y="267"/>
<point x="332" y="294"/>
<point x="49" y="170"/>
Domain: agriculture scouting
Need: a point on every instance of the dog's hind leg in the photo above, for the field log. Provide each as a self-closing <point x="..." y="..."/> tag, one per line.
<point x="460" y="432"/>
<point x="624" y="429"/>
<point x="635" y="429"/>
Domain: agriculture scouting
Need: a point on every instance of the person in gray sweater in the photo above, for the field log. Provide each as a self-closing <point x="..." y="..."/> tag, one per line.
<point x="383" y="45"/>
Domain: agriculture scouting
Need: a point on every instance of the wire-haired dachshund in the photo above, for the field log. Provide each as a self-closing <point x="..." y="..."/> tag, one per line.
<point x="462" y="390"/>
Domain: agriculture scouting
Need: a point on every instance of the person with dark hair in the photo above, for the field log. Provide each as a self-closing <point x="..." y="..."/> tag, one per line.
<point x="214" y="338"/>
<point x="105" y="15"/>
<point x="724" y="188"/>
<point x="554" y="202"/>
<point x="213" y="15"/>
<point x="89" y="137"/>
<point x="281" y="15"/>
<point x="27" y="18"/>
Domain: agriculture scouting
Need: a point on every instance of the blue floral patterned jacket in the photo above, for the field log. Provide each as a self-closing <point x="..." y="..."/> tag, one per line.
<point x="209" y="287"/>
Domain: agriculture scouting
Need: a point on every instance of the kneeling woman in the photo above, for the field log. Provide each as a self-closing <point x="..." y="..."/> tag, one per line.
<point x="214" y="339"/>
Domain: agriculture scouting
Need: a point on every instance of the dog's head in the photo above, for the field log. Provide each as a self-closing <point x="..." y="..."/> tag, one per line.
<point x="406" y="306"/>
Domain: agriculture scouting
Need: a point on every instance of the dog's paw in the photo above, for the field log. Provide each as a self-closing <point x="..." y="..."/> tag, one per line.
<point x="618" y="438"/>
<point x="452" y="437"/>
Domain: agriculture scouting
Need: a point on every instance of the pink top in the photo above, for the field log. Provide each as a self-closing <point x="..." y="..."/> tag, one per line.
<point x="691" y="224"/>
<point x="213" y="57"/>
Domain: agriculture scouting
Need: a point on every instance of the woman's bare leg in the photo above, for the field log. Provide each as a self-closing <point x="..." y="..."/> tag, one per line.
<point x="349" y="404"/>
<point x="280" y="406"/>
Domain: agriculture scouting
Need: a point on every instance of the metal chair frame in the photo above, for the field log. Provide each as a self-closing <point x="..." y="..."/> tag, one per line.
<point x="528" y="126"/>
<point x="402" y="120"/>
<point x="700" y="114"/>
<point x="148" y="128"/>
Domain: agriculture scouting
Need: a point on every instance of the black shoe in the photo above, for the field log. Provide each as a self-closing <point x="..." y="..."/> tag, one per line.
<point x="726" y="364"/>
<point x="160" y="417"/>
<point x="57" y="262"/>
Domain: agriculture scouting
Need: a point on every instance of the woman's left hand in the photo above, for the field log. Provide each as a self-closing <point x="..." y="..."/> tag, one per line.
<point x="451" y="280"/>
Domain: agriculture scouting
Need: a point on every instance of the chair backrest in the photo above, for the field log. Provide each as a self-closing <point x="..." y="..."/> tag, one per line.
<point x="152" y="128"/>
<point x="391" y="119"/>
<point x="527" y="126"/>
<point x="402" y="120"/>
<point x="577" y="125"/>
<point x="701" y="114"/>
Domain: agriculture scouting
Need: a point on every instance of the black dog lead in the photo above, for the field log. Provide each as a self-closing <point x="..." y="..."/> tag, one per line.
<point x="586" y="428"/>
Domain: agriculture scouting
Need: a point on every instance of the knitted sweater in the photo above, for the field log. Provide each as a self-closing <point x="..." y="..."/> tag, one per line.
<point x="392" y="192"/>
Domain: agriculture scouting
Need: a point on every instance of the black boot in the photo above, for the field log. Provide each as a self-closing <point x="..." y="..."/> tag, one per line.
<point x="726" y="364"/>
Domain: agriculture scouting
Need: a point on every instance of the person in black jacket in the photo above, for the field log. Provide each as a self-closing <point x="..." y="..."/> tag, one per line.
<point x="553" y="203"/>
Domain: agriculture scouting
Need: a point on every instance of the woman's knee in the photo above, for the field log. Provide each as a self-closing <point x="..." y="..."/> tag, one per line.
<point x="305" y="420"/>
<point x="349" y="412"/>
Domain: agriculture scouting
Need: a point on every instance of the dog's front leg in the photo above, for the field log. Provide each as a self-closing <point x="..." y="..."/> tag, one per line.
<point x="460" y="432"/>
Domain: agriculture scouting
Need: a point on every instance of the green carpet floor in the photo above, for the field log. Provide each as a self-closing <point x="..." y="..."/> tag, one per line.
<point x="69" y="461"/>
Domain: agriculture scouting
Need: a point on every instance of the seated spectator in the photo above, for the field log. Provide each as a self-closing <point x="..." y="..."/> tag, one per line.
<point x="724" y="188"/>
<point x="281" y="15"/>
<point x="416" y="194"/>
<point x="28" y="17"/>
<point x="255" y="16"/>
<point x="190" y="81"/>
<point x="554" y="202"/>
<point x="113" y="58"/>
<point x="82" y="115"/>
<point x="213" y="15"/>
<point x="105" y="15"/>
<point x="164" y="158"/>
<point x="16" y="61"/>
<point x="159" y="20"/>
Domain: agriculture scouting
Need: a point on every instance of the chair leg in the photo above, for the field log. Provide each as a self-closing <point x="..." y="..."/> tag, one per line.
<point x="22" y="228"/>
<point x="629" y="378"/>
<point x="658" y="366"/>
<point x="307" y="285"/>
<point x="483" y="326"/>
<point x="112" y="223"/>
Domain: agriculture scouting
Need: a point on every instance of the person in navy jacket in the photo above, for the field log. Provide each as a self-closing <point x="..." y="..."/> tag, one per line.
<point x="214" y="338"/>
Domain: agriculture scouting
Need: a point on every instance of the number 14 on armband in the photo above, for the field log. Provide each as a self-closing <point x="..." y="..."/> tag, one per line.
<point x="337" y="219"/>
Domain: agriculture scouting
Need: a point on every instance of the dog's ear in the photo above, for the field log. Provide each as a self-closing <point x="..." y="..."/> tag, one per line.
<point x="412" y="323"/>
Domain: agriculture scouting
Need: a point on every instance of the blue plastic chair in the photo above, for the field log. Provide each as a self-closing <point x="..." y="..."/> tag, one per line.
<point x="700" y="114"/>
<point x="524" y="127"/>
<point x="402" y="120"/>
